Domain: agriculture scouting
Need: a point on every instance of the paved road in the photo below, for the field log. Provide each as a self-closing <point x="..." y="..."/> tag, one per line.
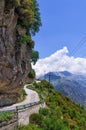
<point x="31" y="97"/>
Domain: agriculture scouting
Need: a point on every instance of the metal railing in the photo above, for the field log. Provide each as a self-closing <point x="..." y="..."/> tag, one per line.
<point x="14" y="109"/>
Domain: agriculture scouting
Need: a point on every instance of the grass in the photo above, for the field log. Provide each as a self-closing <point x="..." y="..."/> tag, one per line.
<point x="23" y="95"/>
<point x="5" y="116"/>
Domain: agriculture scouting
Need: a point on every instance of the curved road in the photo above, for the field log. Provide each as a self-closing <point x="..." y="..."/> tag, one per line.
<point x="31" y="97"/>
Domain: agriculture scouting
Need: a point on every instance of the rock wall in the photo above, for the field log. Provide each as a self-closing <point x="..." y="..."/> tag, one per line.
<point x="15" y="58"/>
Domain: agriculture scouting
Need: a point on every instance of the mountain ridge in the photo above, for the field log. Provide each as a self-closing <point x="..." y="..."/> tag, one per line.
<point x="71" y="85"/>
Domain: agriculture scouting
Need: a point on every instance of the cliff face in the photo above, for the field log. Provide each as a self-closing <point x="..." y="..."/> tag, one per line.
<point x="14" y="57"/>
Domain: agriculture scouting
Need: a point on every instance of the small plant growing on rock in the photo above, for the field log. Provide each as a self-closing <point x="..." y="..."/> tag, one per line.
<point x="31" y="74"/>
<point x="25" y="39"/>
<point x="23" y="95"/>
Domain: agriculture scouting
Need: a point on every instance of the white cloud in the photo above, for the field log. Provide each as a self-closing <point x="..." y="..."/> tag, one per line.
<point x="60" y="61"/>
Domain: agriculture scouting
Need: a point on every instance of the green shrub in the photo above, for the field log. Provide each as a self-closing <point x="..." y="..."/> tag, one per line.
<point x="25" y="39"/>
<point x="46" y="84"/>
<point x="35" y="56"/>
<point x="37" y="86"/>
<point x="31" y="74"/>
<point x="29" y="15"/>
<point x="53" y="124"/>
<point x="44" y="111"/>
<point x="29" y="127"/>
<point x="23" y="96"/>
<point x="5" y="116"/>
<point x="73" y="114"/>
<point x="36" y="119"/>
<point x="31" y="43"/>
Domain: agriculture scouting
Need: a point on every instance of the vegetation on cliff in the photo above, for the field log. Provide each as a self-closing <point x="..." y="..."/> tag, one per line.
<point x="32" y="73"/>
<point x="19" y="20"/>
<point x="35" y="56"/>
<point x="60" y="114"/>
<point x="28" y="22"/>
<point x="29" y="15"/>
<point x="29" y="19"/>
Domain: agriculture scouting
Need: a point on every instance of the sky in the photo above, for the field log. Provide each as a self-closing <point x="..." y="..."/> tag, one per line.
<point x="60" y="61"/>
<point x="63" y="26"/>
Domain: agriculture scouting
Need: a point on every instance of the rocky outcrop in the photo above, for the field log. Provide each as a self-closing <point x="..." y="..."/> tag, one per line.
<point x="15" y="63"/>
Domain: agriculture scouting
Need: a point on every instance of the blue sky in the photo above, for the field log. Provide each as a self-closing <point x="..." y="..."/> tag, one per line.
<point x="64" y="24"/>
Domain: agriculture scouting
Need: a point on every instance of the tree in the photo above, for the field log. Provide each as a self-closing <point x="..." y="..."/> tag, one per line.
<point x="35" y="56"/>
<point x="37" y="20"/>
<point x="29" y="15"/>
<point x="31" y="74"/>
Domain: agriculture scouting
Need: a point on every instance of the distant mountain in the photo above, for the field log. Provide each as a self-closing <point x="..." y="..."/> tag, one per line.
<point x="65" y="73"/>
<point x="71" y="85"/>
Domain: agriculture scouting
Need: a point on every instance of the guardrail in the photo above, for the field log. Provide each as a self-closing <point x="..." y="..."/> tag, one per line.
<point x="17" y="111"/>
<point x="20" y="107"/>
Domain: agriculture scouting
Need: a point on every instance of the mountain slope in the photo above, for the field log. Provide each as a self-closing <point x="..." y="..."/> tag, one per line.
<point x="60" y="113"/>
<point x="73" y="86"/>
